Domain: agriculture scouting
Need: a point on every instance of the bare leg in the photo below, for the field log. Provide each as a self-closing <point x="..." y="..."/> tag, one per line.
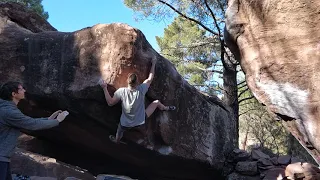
<point x="149" y="110"/>
<point x="153" y="106"/>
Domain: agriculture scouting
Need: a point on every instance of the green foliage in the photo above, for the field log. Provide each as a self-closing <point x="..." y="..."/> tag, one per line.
<point x="34" y="5"/>
<point x="192" y="8"/>
<point x="192" y="41"/>
<point x="141" y="5"/>
<point x="188" y="47"/>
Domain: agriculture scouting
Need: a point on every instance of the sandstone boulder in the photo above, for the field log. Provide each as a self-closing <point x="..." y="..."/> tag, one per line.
<point x="278" y="45"/>
<point x="61" y="70"/>
<point x="302" y="170"/>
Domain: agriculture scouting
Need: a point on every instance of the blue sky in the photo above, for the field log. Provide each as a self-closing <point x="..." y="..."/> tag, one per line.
<point x="72" y="15"/>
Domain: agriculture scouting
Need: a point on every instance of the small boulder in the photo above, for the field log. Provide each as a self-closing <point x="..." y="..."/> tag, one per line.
<point x="284" y="160"/>
<point x="257" y="154"/>
<point x="247" y="168"/>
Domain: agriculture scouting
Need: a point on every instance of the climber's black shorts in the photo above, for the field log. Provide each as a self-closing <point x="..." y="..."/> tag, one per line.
<point x="141" y="127"/>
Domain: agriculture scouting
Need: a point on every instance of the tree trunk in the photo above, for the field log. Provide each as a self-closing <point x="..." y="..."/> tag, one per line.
<point x="230" y="93"/>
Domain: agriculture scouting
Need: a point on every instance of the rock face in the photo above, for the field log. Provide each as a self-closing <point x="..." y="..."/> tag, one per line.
<point x="278" y="44"/>
<point x="61" y="70"/>
<point x="39" y="167"/>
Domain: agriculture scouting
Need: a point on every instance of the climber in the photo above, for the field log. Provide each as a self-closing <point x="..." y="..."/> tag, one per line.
<point x="132" y="97"/>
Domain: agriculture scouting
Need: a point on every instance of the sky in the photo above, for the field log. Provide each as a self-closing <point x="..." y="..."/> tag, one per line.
<point x="72" y="15"/>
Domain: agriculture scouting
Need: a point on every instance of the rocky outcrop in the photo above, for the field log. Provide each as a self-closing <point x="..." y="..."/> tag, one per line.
<point x="277" y="43"/>
<point x="258" y="165"/>
<point x="243" y="165"/>
<point x="61" y="70"/>
<point x="16" y="15"/>
<point x="34" y="166"/>
<point x="31" y="164"/>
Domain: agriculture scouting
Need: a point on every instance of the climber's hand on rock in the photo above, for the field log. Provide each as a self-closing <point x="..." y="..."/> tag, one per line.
<point x="103" y="83"/>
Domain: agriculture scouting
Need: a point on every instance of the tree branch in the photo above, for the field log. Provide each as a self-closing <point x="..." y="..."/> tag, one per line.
<point x="242" y="86"/>
<point x="191" y="46"/>
<point x="198" y="4"/>
<point x="245" y="85"/>
<point x="251" y="97"/>
<point x="221" y="6"/>
<point x="220" y="35"/>
<point x="203" y="85"/>
<point x="241" y="82"/>
<point x="243" y="91"/>
<point x="188" y="60"/>
<point x="214" y="19"/>
<point x="207" y="70"/>
<point x="189" y="18"/>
